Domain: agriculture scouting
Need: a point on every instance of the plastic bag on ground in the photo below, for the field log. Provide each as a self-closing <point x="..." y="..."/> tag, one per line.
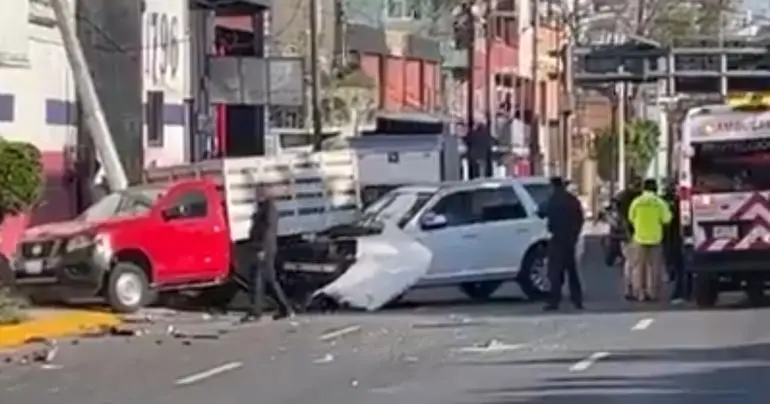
<point x="387" y="265"/>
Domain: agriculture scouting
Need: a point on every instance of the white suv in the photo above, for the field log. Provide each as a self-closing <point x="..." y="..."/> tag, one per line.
<point x="481" y="233"/>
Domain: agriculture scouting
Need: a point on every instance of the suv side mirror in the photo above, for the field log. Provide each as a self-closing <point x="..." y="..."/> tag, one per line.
<point x="174" y="212"/>
<point x="433" y="221"/>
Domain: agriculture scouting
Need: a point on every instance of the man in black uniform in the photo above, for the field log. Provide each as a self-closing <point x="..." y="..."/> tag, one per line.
<point x="565" y="223"/>
<point x="262" y="272"/>
<point x="672" y="247"/>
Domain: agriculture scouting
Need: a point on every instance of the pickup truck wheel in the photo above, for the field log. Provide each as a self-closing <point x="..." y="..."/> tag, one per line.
<point x="533" y="276"/>
<point x="128" y="288"/>
<point x="706" y="290"/>
<point x="480" y="290"/>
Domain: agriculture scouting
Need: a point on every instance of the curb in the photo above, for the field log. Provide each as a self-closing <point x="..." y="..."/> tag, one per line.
<point x="56" y="324"/>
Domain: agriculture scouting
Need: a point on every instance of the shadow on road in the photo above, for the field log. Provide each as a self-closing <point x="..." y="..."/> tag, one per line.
<point x="726" y="374"/>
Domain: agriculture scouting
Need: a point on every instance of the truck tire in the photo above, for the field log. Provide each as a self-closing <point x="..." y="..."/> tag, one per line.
<point x="480" y="290"/>
<point x="128" y="288"/>
<point x="532" y="277"/>
<point x="706" y="290"/>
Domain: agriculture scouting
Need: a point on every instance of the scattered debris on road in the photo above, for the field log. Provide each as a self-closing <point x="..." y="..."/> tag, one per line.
<point x="491" y="346"/>
<point x="325" y="359"/>
<point x="339" y="333"/>
<point x="453" y="321"/>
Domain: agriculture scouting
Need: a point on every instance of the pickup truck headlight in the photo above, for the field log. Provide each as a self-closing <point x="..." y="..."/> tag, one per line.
<point x="80" y="242"/>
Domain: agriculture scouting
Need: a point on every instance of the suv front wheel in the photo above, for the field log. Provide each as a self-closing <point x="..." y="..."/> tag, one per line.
<point x="533" y="275"/>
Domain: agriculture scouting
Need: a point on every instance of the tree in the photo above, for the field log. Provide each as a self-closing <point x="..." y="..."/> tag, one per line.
<point x="642" y="137"/>
<point x="21" y="177"/>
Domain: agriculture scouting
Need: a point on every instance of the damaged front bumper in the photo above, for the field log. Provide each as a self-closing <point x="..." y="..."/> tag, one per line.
<point x="73" y="274"/>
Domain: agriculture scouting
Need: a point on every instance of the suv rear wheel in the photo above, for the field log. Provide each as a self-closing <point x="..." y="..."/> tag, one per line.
<point x="533" y="275"/>
<point x="128" y="288"/>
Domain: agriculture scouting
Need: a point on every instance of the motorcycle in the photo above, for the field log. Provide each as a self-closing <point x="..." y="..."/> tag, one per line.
<point x="612" y="241"/>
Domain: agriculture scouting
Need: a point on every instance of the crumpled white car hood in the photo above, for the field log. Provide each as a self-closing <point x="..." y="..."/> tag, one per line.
<point x="387" y="265"/>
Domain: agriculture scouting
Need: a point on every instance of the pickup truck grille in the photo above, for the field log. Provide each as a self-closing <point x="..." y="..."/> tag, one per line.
<point x="38" y="249"/>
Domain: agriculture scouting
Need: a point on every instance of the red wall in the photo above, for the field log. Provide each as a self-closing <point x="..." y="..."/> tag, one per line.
<point x="403" y="84"/>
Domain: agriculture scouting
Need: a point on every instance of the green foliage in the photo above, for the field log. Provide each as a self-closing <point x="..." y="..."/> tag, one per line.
<point x="21" y="177"/>
<point x="11" y="308"/>
<point x="642" y="137"/>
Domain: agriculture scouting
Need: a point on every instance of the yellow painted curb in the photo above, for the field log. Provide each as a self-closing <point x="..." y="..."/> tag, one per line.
<point x="56" y="324"/>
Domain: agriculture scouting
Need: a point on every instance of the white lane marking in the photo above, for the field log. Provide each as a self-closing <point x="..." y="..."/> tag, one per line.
<point x="643" y="324"/>
<point x="194" y="378"/>
<point x="340" y="333"/>
<point x="588" y="362"/>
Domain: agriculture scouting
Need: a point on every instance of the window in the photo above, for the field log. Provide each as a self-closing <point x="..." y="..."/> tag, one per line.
<point x="405" y="9"/>
<point x="495" y="204"/>
<point x="396" y="8"/>
<point x="731" y="166"/>
<point x="456" y="208"/>
<point x="398" y="207"/>
<point x="191" y="204"/>
<point x="539" y="193"/>
<point x="154" y="118"/>
<point x="480" y="206"/>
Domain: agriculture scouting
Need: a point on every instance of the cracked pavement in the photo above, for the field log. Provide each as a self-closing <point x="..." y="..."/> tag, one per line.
<point x="436" y="348"/>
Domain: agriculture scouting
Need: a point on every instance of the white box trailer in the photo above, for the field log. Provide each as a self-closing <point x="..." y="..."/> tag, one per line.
<point x="387" y="161"/>
<point x="312" y="191"/>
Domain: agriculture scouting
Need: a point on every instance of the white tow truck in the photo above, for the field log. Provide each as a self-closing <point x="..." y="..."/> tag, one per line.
<point x="724" y="197"/>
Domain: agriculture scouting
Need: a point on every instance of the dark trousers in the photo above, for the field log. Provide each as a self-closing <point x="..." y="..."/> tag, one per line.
<point x="561" y="263"/>
<point x="262" y="275"/>
<point x="682" y="281"/>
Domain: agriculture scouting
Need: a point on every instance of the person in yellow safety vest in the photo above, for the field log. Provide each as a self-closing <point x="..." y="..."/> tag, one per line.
<point x="648" y="214"/>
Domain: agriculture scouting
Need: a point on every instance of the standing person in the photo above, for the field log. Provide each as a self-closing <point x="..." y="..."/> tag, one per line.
<point x="624" y="200"/>
<point x="672" y="246"/>
<point x="649" y="214"/>
<point x="564" y="214"/>
<point x="262" y="272"/>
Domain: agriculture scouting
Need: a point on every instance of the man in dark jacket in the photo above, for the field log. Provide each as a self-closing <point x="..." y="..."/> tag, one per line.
<point x="565" y="223"/>
<point x="262" y="272"/>
<point x="672" y="247"/>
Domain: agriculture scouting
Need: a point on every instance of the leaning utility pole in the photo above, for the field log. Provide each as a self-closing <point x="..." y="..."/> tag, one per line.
<point x="92" y="110"/>
<point x="315" y="78"/>
<point x="534" y="134"/>
<point x="470" y="106"/>
<point x="489" y="83"/>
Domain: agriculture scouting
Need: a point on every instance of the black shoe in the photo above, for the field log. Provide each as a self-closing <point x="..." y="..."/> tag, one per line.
<point x="250" y="318"/>
<point x="630" y="298"/>
<point x="578" y="306"/>
<point x="551" y="307"/>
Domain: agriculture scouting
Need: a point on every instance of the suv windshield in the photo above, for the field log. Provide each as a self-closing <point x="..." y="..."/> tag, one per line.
<point x="131" y="202"/>
<point x="731" y="166"/>
<point x="396" y="207"/>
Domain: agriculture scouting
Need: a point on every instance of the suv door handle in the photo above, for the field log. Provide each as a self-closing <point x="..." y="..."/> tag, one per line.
<point x="469" y="235"/>
<point x="522" y="230"/>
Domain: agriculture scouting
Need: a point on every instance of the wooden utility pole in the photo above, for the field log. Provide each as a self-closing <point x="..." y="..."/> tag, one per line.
<point x="92" y="111"/>
<point x="489" y="84"/>
<point x="470" y="106"/>
<point x="534" y="135"/>
<point x="315" y="78"/>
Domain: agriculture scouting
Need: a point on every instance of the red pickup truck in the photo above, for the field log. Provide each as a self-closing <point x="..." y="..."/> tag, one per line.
<point x="184" y="229"/>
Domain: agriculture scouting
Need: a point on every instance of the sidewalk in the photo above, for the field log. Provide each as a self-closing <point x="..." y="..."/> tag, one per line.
<point x="54" y="323"/>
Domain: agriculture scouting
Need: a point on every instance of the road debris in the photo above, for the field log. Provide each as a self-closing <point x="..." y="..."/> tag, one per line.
<point x="453" y="322"/>
<point x="491" y="346"/>
<point x="339" y="333"/>
<point x="325" y="359"/>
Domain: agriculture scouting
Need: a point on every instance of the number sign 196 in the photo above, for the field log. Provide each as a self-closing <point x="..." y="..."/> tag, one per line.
<point x="161" y="46"/>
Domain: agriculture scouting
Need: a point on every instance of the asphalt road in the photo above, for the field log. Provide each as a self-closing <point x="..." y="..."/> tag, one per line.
<point x="437" y="350"/>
